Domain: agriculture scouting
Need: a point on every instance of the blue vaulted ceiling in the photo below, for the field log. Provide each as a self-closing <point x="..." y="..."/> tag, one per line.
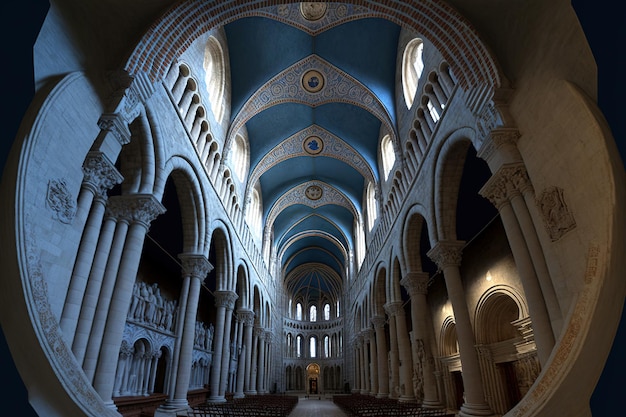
<point x="270" y="56"/>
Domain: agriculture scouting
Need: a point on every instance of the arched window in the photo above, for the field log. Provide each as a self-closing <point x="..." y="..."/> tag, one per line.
<point x="412" y="67"/>
<point x="313" y="346"/>
<point x="372" y="211"/>
<point x="289" y="345"/>
<point x="290" y="312"/>
<point x="254" y="213"/>
<point x="387" y="154"/>
<point x="326" y="346"/>
<point x="326" y="311"/>
<point x="215" y="76"/>
<point x="313" y="313"/>
<point x="299" y="346"/>
<point x="337" y="308"/>
<point x="299" y="311"/>
<point x="434" y="113"/>
<point x="240" y="157"/>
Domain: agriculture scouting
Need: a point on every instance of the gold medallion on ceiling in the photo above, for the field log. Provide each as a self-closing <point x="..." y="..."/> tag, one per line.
<point x="313" y="192"/>
<point x="312" y="10"/>
<point x="313" y="145"/>
<point x="313" y="81"/>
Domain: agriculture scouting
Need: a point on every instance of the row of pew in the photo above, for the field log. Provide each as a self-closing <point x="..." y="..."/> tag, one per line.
<point x="272" y="405"/>
<point x="359" y="405"/>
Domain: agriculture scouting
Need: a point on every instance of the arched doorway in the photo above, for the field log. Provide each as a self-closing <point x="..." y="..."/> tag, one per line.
<point x="312" y="377"/>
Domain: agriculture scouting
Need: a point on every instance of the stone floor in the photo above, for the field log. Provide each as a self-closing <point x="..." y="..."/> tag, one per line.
<point x="314" y="407"/>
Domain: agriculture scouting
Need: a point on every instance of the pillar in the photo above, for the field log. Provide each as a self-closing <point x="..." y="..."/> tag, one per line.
<point x="396" y="310"/>
<point x="99" y="175"/>
<point x="141" y="209"/>
<point x="381" y="356"/>
<point x="222" y="300"/>
<point x="501" y="192"/>
<point x="194" y="270"/>
<point x="416" y="284"/>
<point x="447" y="255"/>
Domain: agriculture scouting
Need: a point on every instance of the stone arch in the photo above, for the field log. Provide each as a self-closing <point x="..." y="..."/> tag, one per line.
<point x="379" y="293"/>
<point x="243" y="286"/>
<point x="449" y="169"/>
<point x="412" y="230"/>
<point x="161" y="44"/>
<point x="220" y="254"/>
<point x="495" y="313"/>
<point x="448" y="342"/>
<point x="190" y="197"/>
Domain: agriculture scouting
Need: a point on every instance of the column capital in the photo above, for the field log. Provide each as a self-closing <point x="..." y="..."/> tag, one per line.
<point x="416" y="283"/>
<point x="99" y="173"/>
<point x="225" y="299"/>
<point x="446" y="253"/>
<point x="368" y="333"/>
<point x="195" y="265"/>
<point x="135" y="208"/>
<point x="378" y="321"/>
<point x="258" y="332"/>
<point x="509" y="180"/>
<point x="246" y="316"/>
<point x="394" y="308"/>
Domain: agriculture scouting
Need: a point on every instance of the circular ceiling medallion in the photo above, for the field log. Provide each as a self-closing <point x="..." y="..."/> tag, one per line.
<point x="313" y="145"/>
<point x="313" y="192"/>
<point x="312" y="10"/>
<point x="312" y="81"/>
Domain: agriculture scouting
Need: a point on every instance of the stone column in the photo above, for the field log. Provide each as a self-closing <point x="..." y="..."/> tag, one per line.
<point x="226" y="346"/>
<point x="447" y="255"/>
<point x="260" y="376"/>
<point x="363" y="375"/>
<point x="394" y="365"/>
<point x="195" y="269"/>
<point x="254" y="359"/>
<point x="519" y="178"/>
<point x="222" y="300"/>
<point x="357" y="367"/>
<point x="99" y="175"/>
<point x="396" y="310"/>
<point x="142" y="209"/>
<point x="366" y="362"/>
<point x="247" y="318"/>
<point x="94" y="287"/>
<point x="500" y="191"/>
<point x="371" y="335"/>
<point x="381" y="356"/>
<point x="416" y="284"/>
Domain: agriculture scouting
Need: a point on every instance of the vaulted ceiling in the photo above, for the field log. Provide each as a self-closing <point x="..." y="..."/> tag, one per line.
<point x="313" y="86"/>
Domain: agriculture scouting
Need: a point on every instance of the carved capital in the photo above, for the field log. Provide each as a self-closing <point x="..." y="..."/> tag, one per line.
<point x="135" y="208"/>
<point x="368" y="334"/>
<point x="246" y="316"/>
<point x="496" y="190"/>
<point x="195" y="266"/>
<point x="117" y="125"/>
<point x="416" y="283"/>
<point x="225" y="299"/>
<point x="447" y="253"/>
<point x="394" y="309"/>
<point x="378" y="321"/>
<point x="99" y="173"/>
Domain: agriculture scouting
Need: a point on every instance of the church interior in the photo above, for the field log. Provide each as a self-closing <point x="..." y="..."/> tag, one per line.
<point x="413" y="205"/>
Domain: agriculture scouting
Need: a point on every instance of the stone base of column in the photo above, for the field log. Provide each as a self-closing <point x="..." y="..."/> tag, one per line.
<point x="356" y="391"/>
<point x="250" y="392"/>
<point x="382" y="395"/>
<point x="431" y="404"/>
<point x="110" y="404"/>
<point x="216" y="399"/>
<point x="239" y="395"/>
<point x="470" y="410"/>
<point x="364" y="392"/>
<point x="172" y="408"/>
<point x="406" y="399"/>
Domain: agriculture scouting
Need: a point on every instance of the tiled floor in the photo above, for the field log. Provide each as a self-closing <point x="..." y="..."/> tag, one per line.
<point x="314" y="407"/>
